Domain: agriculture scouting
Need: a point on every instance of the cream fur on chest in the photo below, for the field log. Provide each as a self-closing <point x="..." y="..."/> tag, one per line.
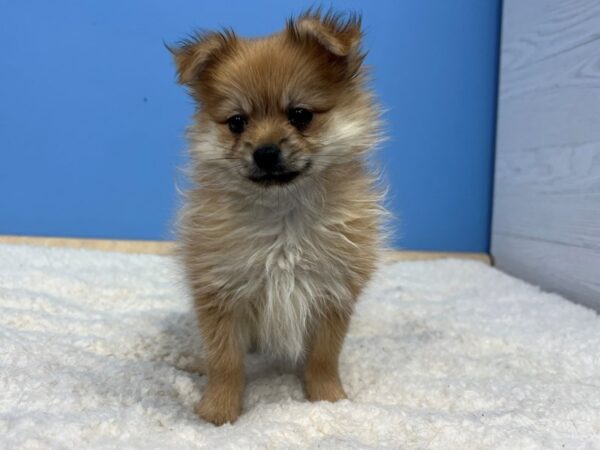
<point x="286" y="275"/>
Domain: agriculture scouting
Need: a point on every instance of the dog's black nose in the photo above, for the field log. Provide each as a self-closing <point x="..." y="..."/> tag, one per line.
<point x="267" y="157"/>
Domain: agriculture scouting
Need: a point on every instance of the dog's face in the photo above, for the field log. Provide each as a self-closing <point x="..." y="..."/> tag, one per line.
<point x="278" y="109"/>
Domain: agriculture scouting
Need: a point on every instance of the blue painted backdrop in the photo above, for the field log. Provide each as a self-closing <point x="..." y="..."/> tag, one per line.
<point x="91" y="121"/>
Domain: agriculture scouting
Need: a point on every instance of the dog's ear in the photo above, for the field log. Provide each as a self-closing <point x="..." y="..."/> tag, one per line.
<point x="197" y="53"/>
<point x="338" y="34"/>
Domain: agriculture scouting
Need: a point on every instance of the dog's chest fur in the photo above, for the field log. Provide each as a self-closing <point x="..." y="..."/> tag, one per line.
<point x="289" y="276"/>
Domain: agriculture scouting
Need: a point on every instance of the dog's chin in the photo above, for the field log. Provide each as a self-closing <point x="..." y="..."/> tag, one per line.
<point x="275" y="179"/>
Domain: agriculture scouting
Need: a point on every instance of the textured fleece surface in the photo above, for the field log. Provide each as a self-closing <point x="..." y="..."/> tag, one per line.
<point x="441" y="354"/>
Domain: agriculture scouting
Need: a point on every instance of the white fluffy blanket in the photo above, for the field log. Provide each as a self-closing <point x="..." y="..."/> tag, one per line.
<point x="444" y="354"/>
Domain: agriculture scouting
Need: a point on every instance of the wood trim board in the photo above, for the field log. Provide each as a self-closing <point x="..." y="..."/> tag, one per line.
<point x="166" y="247"/>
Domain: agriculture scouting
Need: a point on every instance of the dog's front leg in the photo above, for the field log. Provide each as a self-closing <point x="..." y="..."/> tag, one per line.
<point x="321" y="377"/>
<point x="221" y="401"/>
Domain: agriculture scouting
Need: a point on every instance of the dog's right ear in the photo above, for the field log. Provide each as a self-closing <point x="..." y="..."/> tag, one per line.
<point x="195" y="54"/>
<point x="338" y="34"/>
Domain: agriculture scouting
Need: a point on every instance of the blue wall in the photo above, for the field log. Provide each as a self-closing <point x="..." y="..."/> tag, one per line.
<point x="91" y="121"/>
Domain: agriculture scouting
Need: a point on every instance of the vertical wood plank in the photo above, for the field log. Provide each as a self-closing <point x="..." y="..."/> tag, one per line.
<point x="546" y="218"/>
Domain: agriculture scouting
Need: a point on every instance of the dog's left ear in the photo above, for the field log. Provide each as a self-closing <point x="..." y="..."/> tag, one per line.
<point x="338" y="34"/>
<point x="195" y="54"/>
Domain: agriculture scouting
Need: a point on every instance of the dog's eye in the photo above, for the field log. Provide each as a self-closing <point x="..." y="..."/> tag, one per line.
<point x="300" y="117"/>
<point x="237" y="123"/>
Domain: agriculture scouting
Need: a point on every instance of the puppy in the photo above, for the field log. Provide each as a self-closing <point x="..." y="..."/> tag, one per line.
<point x="281" y="229"/>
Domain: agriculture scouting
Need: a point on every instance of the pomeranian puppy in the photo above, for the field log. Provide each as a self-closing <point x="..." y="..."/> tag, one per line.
<point x="281" y="229"/>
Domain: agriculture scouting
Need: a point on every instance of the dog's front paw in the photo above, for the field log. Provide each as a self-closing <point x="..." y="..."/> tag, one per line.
<point x="218" y="412"/>
<point x="329" y="390"/>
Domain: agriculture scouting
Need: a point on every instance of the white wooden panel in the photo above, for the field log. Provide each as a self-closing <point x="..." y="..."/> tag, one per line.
<point x="550" y="193"/>
<point x="566" y="269"/>
<point x="546" y="221"/>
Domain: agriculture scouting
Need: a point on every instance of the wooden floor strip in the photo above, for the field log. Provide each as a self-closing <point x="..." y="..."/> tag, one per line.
<point x="166" y="247"/>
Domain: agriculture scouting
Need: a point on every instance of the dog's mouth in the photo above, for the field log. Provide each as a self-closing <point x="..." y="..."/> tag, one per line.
<point x="279" y="177"/>
<point x="268" y="179"/>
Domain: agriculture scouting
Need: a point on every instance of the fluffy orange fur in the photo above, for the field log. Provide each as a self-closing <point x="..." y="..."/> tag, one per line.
<point x="276" y="258"/>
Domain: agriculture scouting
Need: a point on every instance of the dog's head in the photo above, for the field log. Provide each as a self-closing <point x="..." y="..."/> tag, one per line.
<point x="281" y="108"/>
